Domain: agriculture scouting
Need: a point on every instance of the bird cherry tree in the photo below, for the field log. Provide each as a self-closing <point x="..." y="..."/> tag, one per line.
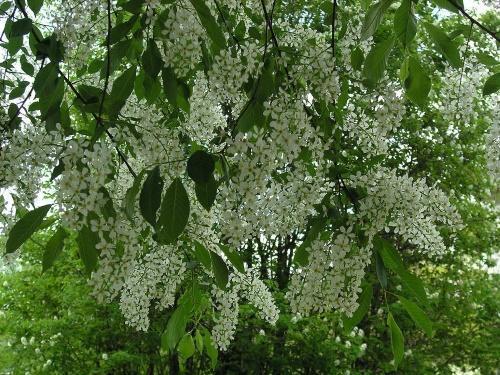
<point x="168" y="136"/>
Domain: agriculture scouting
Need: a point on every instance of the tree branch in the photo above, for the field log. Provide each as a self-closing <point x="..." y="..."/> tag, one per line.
<point x="474" y="21"/>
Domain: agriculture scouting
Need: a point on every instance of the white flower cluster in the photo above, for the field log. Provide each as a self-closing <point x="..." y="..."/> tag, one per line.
<point x="183" y="36"/>
<point x="86" y="170"/>
<point x="257" y="202"/>
<point x="156" y="276"/>
<point x="232" y="68"/>
<point x="205" y="120"/>
<point x="370" y="125"/>
<point x="493" y="148"/>
<point x="407" y="206"/>
<point x="246" y="286"/>
<point x="332" y="278"/>
<point x="76" y="26"/>
<point x="315" y="65"/>
<point x="23" y="155"/>
<point x="460" y="100"/>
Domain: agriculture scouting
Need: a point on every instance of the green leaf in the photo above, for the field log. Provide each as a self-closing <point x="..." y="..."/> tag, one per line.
<point x="357" y="58"/>
<point x="151" y="59"/>
<point x="19" y="90"/>
<point x="51" y="103"/>
<point x="87" y="241"/>
<point x="186" y="347"/>
<point x="417" y="83"/>
<point x="492" y="84"/>
<point x="418" y="316"/>
<point x="133" y="6"/>
<point x="20" y="27"/>
<point x="210" y="348"/>
<point x="122" y="88"/>
<point x="202" y="255"/>
<point x="251" y="115"/>
<point x="53" y="248"/>
<point x="174" y="213"/>
<point x="486" y="59"/>
<point x="380" y="269"/>
<point x="26" y="66"/>
<point x="170" y="85"/>
<point x="25" y="227"/>
<point x="444" y="45"/>
<point x="374" y="17"/>
<point x="200" y="166"/>
<point x="397" y="340"/>
<point x="301" y="256"/>
<point x="35" y="5"/>
<point x="176" y="326"/>
<point x="206" y="193"/>
<point x="449" y="5"/>
<point x="121" y="30"/>
<point x="220" y="270"/>
<point x="150" y="198"/>
<point x="393" y="261"/>
<point x="210" y="24"/>
<point x="130" y="196"/>
<point x="198" y="339"/>
<point x="364" y="304"/>
<point x="376" y="61"/>
<point x="405" y="23"/>
<point x="152" y="89"/>
<point x="233" y="257"/>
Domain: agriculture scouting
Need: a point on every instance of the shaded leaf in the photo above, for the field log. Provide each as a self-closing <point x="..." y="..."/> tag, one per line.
<point x="203" y="255"/>
<point x="444" y="45"/>
<point x="176" y="326"/>
<point x="220" y="270"/>
<point x="209" y="24"/>
<point x="130" y="196"/>
<point x="397" y="340"/>
<point x="53" y="248"/>
<point x="151" y="59"/>
<point x="381" y="272"/>
<point x="417" y="83"/>
<point x="87" y="241"/>
<point x="200" y="166"/>
<point x="392" y="260"/>
<point x="405" y="23"/>
<point x="376" y="61"/>
<point x="20" y="27"/>
<point x="186" y="347"/>
<point x="233" y="257"/>
<point x="374" y="17"/>
<point x="150" y="198"/>
<point x="25" y="227"/>
<point x="122" y="88"/>
<point x="174" y="213"/>
<point x="492" y="84"/>
<point x="364" y="304"/>
<point x="449" y="5"/>
<point x="206" y="193"/>
<point x="35" y="5"/>
<point x="418" y="316"/>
